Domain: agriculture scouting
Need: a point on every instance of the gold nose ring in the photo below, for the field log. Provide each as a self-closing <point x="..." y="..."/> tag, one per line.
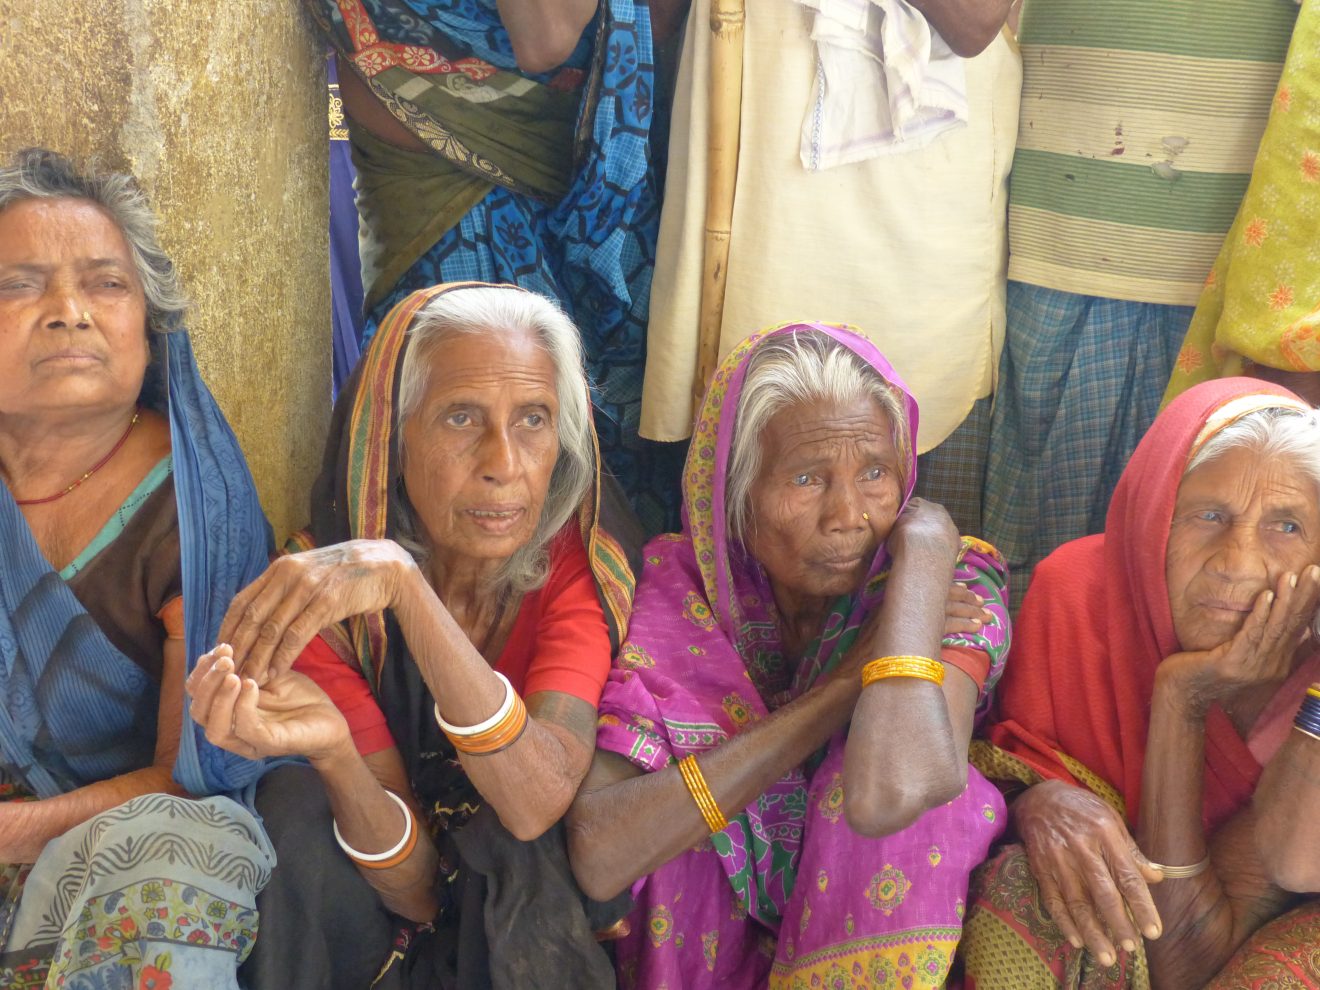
<point x="87" y="317"/>
<point x="866" y="516"/>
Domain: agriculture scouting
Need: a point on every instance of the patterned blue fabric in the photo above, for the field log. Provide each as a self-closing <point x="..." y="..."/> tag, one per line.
<point x="1080" y="382"/>
<point x="593" y="251"/>
<point x="73" y="709"/>
<point x="473" y="24"/>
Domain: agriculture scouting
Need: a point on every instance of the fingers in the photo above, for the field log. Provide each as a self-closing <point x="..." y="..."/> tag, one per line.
<point x="1055" y="903"/>
<point x="206" y="677"/>
<point x="964" y="611"/>
<point x="214" y="697"/>
<point x="269" y="630"/>
<point x="1077" y="890"/>
<point x="248" y="725"/>
<point x="1130" y="869"/>
<point x="239" y="606"/>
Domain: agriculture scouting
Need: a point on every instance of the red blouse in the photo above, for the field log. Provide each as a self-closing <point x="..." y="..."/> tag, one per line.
<point x="559" y="642"/>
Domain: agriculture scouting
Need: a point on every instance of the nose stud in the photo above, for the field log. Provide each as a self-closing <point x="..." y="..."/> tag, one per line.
<point x="87" y="317"/>
<point x="866" y="516"/>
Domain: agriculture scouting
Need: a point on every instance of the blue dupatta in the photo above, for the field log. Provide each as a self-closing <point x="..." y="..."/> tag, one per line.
<point x="73" y="708"/>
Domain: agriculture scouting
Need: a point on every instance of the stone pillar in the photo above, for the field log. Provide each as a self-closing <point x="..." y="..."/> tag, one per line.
<point x="220" y="110"/>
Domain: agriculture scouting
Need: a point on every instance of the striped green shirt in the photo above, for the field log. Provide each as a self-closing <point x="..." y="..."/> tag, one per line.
<point x="1139" y="125"/>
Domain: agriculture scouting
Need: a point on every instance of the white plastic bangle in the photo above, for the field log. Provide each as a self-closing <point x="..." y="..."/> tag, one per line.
<point x="490" y="723"/>
<point x="388" y="853"/>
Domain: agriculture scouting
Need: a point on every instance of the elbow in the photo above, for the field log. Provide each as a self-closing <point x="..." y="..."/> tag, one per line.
<point x="535" y="814"/>
<point x="585" y="864"/>
<point x="528" y="827"/>
<point x="892" y="805"/>
<point x="975" y="39"/>
<point x="1290" y="868"/>
<point x="548" y="50"/>
<point x="976" y="29"/>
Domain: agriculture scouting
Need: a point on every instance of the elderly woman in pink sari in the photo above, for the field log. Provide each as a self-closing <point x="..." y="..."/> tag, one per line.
<point x="797" y="662"/>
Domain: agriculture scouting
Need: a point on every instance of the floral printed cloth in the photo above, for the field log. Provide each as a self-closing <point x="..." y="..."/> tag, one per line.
<point x="1261" y="301"/>
<point x="159" y="892"/>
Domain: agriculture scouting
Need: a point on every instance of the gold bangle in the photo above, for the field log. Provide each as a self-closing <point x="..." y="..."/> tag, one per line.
<point x="1182" y="872"/>
<point x="697" y="787"/>
<point x="923" y="668"/>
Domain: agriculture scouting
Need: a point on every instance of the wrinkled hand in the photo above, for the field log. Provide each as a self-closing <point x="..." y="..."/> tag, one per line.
<point x="965" y="611"/>
<point x="1262" y="652"/>
<point x="271" y="620"/>
<point x="289" y="716"/>
<point x="923" y="526"/>
<point x="1093" y="879"/>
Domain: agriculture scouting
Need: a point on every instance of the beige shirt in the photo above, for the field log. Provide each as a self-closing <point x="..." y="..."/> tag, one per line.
<point x="910" y="248"/>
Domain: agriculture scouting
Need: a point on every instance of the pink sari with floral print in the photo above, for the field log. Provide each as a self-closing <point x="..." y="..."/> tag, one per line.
<point x="788" y="895"/>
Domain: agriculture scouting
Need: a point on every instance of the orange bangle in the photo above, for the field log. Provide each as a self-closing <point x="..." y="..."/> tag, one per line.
<point x="499" y="737"/>
<point x="923" y="668"/>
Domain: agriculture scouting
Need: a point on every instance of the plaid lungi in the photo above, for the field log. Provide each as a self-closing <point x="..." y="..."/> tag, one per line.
<point x="1080" y="381"/>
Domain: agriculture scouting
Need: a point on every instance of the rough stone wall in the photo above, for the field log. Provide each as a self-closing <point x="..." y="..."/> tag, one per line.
<point x="220" y="110"/>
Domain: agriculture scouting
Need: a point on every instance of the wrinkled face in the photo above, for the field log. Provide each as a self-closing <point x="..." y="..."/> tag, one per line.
<point x="824" y="468"/>
<point x="61" y="259"/>
<point x="1240" y="522"/>
<point x="479" y="449"/>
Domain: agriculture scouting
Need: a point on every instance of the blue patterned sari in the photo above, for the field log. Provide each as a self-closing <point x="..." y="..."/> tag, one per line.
<point x="545" y="181"/>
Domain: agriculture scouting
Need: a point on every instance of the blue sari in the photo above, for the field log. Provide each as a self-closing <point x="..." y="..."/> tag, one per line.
<point x="75" y="710"/>
<point x="541" y="180"/>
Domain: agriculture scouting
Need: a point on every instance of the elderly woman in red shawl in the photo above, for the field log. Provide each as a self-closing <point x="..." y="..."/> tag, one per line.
<point x="1158" y="671"/>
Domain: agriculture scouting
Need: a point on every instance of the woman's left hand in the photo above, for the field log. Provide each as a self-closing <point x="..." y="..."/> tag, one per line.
<point x="271" y="620"/>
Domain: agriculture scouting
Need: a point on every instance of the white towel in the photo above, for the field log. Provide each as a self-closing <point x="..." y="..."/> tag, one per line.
<point x="886" y="82"/>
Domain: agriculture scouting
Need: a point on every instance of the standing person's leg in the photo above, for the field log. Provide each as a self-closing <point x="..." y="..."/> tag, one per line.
<point x="952" y="473"/>
<point x="1079" y="384"/>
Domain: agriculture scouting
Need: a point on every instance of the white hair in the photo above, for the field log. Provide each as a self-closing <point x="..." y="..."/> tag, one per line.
<point x="36" y="173"/>
<point x="508" y="309"/>
<point x="798" y="368"/>
<point x="1279" y="432"/>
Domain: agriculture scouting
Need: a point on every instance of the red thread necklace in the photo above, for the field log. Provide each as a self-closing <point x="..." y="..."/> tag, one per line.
<point x="91" y="471"/>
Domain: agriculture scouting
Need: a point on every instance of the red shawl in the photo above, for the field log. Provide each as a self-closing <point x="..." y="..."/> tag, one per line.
<point x="1096" y="623"/>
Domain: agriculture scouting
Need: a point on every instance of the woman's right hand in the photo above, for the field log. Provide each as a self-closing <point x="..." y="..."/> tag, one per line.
<point x="1093" y="879"/>
<point x="288" y="716"/>
<point x="269" y="622"/>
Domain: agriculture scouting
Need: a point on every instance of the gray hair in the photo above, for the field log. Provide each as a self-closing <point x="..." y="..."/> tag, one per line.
<point x="36" y="173"/>
<point x="795" y="368"/>
<point x="508" y="309"/>
<point x="1278" y="432"/>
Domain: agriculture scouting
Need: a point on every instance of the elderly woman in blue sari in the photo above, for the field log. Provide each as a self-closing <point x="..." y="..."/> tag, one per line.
<point x="508" y="141"/>
<point x="124" y="494"/>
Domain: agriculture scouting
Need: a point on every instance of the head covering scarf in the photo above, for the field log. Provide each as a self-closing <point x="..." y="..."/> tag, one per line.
<point x="703" y="660"/>
<point x="1096" y="623"/>
<point x="76" y="710"/>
